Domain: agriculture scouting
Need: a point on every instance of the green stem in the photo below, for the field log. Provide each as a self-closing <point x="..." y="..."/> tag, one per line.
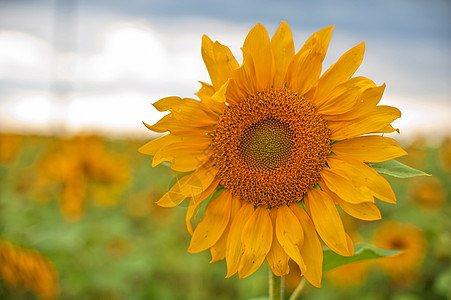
<point x="275" y="286"/>
<point x="298" y="290"/>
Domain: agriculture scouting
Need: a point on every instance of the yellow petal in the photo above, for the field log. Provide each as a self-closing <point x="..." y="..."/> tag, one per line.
<point x="218" y="250"/>
<point x="205" y="94"/>
<point x="225" y="61"/>
<point x="324" y="36"/>
<point x="189" y="162"/>
<point x="209" y="60"/>
<point x="327" y="221"/>
<point x="367" y="211"/>
<point x="373" y="148"/>
<point x="183" y="157"/>
<point x="196" y="201"/>
<point x="177" y="127"/>
<point x="234" y="249"/>
<point x="219" y="61"/>
<point x="153" y="146"/>
<point x="347" y="190"/>
<point x="290" y="234"/>
<point x="186" y="109"/>
<point x="283" y="50"/>
<point x="243" y="82"/>
<point x="256" y="239"/>
<point x="341" y="71"/>
<point x="258" y="46"/>
<point x="167" y="103"/>
<point x="277" y="258"/>
<point x="364" y="175"/>
<point x="190" y="109"/>
<point x="350" y="244"/>
<point x="306" y="66"/>
<point x="344" y="97"/>
<point x="311" y="249"/>
<point x="366" y="103"/>
<point x="164" y="124"/>
<point x="206" y="90"/>
<point x="375" y="121"/>
<point x="201" y="140"/>
<point x="191" y="186"/>
<point x="387" y="129"/>
<point x="213" y="224"/>
<point x="236" y="91"/>
<point x="219" y="95"/>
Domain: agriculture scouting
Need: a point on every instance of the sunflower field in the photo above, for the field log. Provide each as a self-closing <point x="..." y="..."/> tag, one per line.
<point x="78" y="220"/>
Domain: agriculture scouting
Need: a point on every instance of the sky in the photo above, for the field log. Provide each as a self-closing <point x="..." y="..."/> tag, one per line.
<point x="80" y="66"/>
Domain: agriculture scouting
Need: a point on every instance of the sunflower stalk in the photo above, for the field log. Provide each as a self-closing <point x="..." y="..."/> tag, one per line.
<point x="297" y="292"/>
<point x="276" y="286"/>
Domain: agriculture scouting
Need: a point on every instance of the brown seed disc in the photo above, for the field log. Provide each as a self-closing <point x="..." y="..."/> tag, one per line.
<point x="270" y="148"/>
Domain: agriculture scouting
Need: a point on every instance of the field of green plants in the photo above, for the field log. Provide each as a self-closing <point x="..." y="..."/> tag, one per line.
<point x="78" y="221"/>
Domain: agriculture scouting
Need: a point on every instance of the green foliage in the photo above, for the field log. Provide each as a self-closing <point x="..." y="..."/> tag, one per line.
<point x="443" y="283"/>
<point x="361" y="252"/>
<point x="396" y="169"/>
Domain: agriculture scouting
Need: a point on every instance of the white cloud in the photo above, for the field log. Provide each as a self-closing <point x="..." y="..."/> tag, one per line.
<point x="124" y="64"/>
<point x="27" y="111"/>
<point x="110" y="113"/>
<point x="131" y="52"/>
<point x="24" y="58"/>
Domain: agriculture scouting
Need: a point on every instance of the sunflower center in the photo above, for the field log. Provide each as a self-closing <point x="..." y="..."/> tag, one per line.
<point x="270" y="148"/>
<point x="398" y="244"/>
<point x="267" y="144"/>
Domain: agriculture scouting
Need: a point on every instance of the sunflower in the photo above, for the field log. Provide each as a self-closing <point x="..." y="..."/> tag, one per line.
<point x="350" y="275"/>
<point x="28" y="269"/>
<point x="281" y="145"/>
<point x="84" y="169"/>
<point x="10" y="146"/>
<point x="428" y="192"/>
<point x="417" y="150"/>
<point x="404" y="266"/>
<point x="445" y="154"/>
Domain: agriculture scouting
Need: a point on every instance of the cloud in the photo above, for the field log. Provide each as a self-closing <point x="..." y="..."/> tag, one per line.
<point x="24" y="58"/>
<point x="119" y="60"/>
<point x="131" y="52"/>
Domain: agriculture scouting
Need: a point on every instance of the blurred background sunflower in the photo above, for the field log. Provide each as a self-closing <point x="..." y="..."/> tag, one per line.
<point x="77" y="207"/>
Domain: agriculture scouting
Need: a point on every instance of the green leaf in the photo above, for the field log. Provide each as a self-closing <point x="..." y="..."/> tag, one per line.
<point x="361" y="252"/>
<point x="396" y="169"/>
<point x="442" y="283"/>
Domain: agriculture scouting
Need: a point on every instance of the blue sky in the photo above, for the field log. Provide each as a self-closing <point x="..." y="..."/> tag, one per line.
<point x="108" y="59"/>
